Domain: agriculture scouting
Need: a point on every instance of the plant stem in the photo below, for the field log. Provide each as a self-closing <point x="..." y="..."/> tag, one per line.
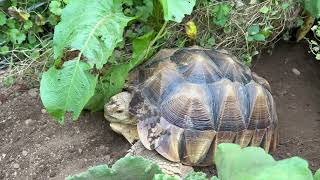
<point x="158" y="36"/>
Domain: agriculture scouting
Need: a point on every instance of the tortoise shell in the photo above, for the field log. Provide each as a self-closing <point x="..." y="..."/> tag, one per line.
<point x="187" y="101"/>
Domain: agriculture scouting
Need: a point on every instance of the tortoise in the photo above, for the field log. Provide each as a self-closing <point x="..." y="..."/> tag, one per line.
<point x="184" y="102"/>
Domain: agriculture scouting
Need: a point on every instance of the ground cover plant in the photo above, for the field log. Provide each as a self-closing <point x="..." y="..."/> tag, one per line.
<point x="232" y="162"/>
<point x="312" y="8"/>
<point x="26" y="36"/>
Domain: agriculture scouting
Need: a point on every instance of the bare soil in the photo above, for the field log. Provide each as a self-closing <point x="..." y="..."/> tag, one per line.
<point x="33" y="146"/>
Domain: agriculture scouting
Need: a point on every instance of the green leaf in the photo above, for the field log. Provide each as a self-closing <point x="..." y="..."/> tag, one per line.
<point x="92" y="27"/>
<point x="126" y="168"/>
<point x="196" y="176"/>
<point x="211" y="41"/>
<point x="110" y="84"/>
<point x="55" y="7"/>
<point x="15" y="36"/>
<point x="67" y="89"/>
<point x="318" y="56"/>
<point x="285" y="5"/>
<point x="113" y="81"/>
<point x="145" y="11"/>
<point x="264" y="10"/>
<point x="253" y="29"/>
<point x="3" y="18"/>
<point x="252" y="163"/>
<point x="249" y="38"/>
<point x="140" y="46"/>
<point x="4" y="50"/>
<point x="317" y="175"/>
<point x="53" y="19"/>
<point x="165" y="177"/>
<point x="177" y="9"/>
<point x="214" y="178"/>
<point x="27" y="25"/>
<point x="11" y="23"/>
<point x="313" y="7"/>
<point x="259" y="37"/>
<point x="221" y="13"/>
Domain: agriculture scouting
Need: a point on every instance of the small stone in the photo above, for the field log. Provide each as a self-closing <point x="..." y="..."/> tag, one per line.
<point x="296" y="71"/>
<point x="288" y="154"/>
<point x="107" y="158"/>
<point x="33" y="92"/>
<point x="52" y="174"/>
<point x="80" y="151"/>
<point x="16" y="166"/>
<point x="28" y="122"/>
<point x="43" y="111"/>
<point x="24" y="153"/>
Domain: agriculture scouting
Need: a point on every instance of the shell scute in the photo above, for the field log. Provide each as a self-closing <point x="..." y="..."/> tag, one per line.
<point x="192" y="99"/>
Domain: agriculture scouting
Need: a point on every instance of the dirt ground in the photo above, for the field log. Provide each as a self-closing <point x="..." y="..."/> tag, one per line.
<point x="33" y="146"/>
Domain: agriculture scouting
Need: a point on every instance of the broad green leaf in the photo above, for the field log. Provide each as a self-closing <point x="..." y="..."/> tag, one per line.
<point x="221" y="13"/>
<point x="318" y="57"/>
<point x="196" y="176"/>
<point x="165" y="177"/>
<point x="313" y="7"/>
<point x="3" y="18"/>
<point x="110" y="84"/>
<point x="146" y="10"/>
<point x="177" y="9"/>
<point x="126" y="168"/>
<point x="253" y="163"/>
<point x="92" y="27"/>
<point x="317" y="175"/>
<point x="55" y="7"/>
<point x="139" y="47"/>
<point x="113" y="81"/>
<point x="67" y="89"/>
<point x="16" y="36"/>
<point x="214" y="178"/>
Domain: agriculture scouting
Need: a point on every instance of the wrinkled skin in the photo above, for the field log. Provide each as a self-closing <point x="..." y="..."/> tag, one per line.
<point x="117" y="112"/>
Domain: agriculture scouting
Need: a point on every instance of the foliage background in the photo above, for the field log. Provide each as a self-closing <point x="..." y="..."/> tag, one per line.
<point x="242" y="27"/>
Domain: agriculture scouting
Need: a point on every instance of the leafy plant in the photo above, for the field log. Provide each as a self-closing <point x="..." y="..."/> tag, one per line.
<point x="22" y="23"/>
<point x="241" y="27"/>
<point x="221" y="13"/>
<point x="314" y="43"/>
<point x="313" y="7"/>
<point x="126" y="168"/>
<point x="232" y="162"/>
<point x="92" y="30"/>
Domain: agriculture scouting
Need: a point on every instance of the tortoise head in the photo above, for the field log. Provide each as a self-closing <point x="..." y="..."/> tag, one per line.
<point x="117" y="109"/>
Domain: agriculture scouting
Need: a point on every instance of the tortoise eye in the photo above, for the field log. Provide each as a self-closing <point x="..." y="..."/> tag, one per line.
<point x="119" y="111"/>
